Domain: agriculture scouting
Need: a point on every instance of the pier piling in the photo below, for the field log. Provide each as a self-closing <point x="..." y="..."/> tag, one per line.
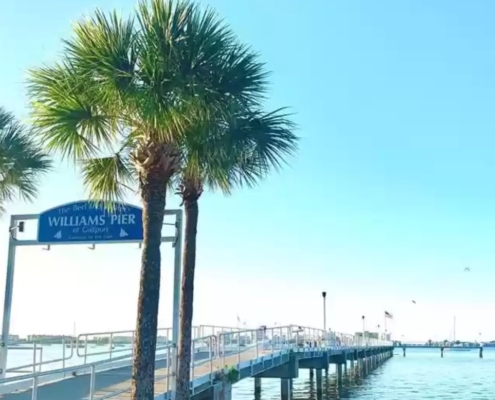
<point x="339" y="374"/>
<point x="285" y="389"/>
<point x="257" y="385"/>
<point x="319" y="381"/>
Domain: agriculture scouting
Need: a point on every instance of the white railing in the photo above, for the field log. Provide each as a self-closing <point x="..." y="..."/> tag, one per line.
<point x="39" y="353"/>
<point x="44" y="354"/>
<point x="114" y="343"/>
<point x="210" y="355"/>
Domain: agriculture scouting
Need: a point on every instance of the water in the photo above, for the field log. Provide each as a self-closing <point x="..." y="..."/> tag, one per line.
<point x="422" y="374"/>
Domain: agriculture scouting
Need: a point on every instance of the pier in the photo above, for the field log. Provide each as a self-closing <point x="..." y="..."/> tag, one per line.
<point x="441" y="348"/>
<point x="220" y="361"/>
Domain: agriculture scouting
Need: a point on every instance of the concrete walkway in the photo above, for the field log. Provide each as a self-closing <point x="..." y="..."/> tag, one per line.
<point x="106" y="382"/>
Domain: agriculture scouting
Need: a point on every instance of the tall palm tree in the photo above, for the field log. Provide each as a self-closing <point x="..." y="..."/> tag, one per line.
<point x="235" y="151"/>
<point x="119" y="103"/>
<point x="22" y="162"/>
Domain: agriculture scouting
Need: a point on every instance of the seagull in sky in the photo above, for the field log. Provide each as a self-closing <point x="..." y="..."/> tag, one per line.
<point x="467" y="269"/>
<point x="414" y="302"/>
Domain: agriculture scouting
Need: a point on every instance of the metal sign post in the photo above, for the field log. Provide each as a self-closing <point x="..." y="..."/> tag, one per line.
<point x="86" y="222"/>
<point x="176" y="303"/>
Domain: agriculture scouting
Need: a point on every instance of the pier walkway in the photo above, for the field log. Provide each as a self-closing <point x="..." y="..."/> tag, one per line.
<point x="221" y="356"/>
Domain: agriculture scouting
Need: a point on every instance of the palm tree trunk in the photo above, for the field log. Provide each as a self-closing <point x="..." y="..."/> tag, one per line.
<point x="153" y="193"/>
<point x="187" y="298"/>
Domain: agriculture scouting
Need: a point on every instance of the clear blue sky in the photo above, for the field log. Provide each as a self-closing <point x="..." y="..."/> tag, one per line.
<point x="391" y="195"/>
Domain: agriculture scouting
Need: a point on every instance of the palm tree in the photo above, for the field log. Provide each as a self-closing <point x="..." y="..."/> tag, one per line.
<point x="237" y="151"/>
<point x="119" y="103"/>
<point x="22" y="162"/>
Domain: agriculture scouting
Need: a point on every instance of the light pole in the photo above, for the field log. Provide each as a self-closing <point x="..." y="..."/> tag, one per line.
<point x="324" y="295"/>
<point x="364" y="340"/>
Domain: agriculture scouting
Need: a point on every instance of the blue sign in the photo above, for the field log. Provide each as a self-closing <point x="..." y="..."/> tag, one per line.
<point x="86" y="221"/>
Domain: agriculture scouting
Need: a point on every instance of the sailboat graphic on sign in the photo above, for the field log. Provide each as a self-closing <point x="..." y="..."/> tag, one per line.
<point x="123" y="233"/>
<point x="58" y="235"/>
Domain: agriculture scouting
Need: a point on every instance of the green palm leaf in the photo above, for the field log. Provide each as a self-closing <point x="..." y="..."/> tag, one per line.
<point x="22" y="162"/>
<point x="226" y="150"/>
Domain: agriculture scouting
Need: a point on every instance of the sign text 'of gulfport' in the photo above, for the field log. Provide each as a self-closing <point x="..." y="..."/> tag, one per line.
<point x="86" y="221"/>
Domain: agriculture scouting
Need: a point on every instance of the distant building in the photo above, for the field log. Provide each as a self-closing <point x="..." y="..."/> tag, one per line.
<point x="53" y="339"/>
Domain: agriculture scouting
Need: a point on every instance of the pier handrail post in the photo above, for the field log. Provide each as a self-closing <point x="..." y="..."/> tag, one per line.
<point x="92" y="383"/>
<point x="324" y="295"/>
<point x="7" y="304"/>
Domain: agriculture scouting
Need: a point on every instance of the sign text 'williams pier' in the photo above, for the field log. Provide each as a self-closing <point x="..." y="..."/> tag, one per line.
<point x="86" y="221"/>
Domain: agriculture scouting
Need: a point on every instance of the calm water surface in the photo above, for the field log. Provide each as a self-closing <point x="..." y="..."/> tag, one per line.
<point x="421" y="375"/>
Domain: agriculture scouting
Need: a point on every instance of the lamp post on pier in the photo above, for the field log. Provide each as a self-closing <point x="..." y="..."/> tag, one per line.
<point x="364" y="323"/>
<point x="324" y="295"/>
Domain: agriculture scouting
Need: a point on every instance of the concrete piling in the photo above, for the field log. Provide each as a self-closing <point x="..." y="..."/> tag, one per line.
<point x="286" y="389"/>
<point x="257" y="385"/>
<point x="319" y="381"/>
<point x="339" y="374"/>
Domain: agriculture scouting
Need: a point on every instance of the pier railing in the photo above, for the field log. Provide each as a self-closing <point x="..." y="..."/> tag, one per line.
<point x="45" y="354"/>
<point x="210" y="355"/>
<point x="39" y="353"/>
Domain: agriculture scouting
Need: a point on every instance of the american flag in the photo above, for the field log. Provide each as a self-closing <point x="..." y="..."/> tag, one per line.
<point x="388" y="315"/>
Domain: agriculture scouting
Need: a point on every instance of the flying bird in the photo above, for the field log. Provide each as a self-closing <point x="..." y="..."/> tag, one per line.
<point x="467" y="269"/>
<point x="414" y="302"/>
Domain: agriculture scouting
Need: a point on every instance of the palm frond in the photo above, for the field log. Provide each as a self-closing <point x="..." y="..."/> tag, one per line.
<point x="104" y="49"/>
<point x="109" y="178"/>
<point x="234" y="150"/>
<point x="69" y="114"/>
<point x="22" y="162"/>
<point x="241" y="76"/>
<point x="260" y="142"/>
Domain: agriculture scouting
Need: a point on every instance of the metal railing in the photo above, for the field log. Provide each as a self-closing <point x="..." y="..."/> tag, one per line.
<point x="211" y="354"/>
<point x="112" y="343"/>
<point x="53" y="352"/>
<point x="43" y="354"/>
<point x="253" y="342"/>
<point x="118" y="342"/>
